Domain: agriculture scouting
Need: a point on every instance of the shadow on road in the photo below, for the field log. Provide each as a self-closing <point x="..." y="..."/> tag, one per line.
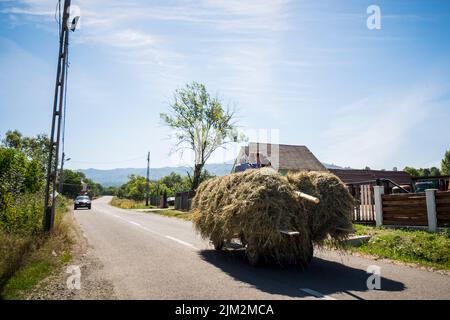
<point x="325" y="276"/>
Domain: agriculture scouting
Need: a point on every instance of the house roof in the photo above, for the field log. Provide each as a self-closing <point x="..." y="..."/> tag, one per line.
<point x="281" y="156"/>
<point x="351" y="176"/>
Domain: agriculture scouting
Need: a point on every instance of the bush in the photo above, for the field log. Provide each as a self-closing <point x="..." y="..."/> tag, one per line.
<point x="22" y="214"/>
<point x="20" y="235"/>
<point x="431" y="249"/>
<point x="12" y="249"/>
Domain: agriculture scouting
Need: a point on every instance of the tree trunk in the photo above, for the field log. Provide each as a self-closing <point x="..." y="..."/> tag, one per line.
<point x="197" y="174"/>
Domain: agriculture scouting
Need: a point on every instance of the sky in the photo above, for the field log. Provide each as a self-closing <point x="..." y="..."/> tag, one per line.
<point x="296" y="72"/>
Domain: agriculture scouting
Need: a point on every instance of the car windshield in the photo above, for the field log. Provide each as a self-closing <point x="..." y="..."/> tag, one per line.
<point x="82" y="198"/>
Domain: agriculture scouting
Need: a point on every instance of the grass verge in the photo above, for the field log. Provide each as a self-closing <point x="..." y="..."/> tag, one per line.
<point x="174" y="214"/>
<point x="411" y="246"/>
<point x="27" y="259"/>
<point x="129" y="204"/>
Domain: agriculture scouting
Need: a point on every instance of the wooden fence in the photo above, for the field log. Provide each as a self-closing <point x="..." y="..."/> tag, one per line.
<point x="364" y="211"/>
<point x="443" y="209"/>
<point x="430" y="209"/>
<point x="183" y="200"/>
<point x="405" y="209"/>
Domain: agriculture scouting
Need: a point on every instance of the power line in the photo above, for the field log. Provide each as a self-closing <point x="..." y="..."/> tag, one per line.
<point x="108" y="162"/>
<point x="65" y="104"/>
<point x="147" y="193"/>
<point x="58" y="14"/>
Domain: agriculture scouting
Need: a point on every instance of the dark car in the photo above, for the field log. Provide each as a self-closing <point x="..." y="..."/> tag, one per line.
<point x="424" y="185"/>
<point x="82" y="202"/>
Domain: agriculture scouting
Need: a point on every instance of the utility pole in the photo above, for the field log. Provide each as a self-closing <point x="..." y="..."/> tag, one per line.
<point x="148" y="180"/>
<point x="52" y="166"/>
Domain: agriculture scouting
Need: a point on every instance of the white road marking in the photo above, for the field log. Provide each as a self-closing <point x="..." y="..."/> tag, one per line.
<point x="182" y="242"/>
<point x="187" y="244"/>
<point x="317" y="294"/>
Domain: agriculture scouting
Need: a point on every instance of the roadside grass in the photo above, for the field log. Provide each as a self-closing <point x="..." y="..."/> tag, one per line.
<point x="28" y="258"/>
<point x="173" y="214"/>
<point x="411" y="246"/>
<point x="129" y="204"/>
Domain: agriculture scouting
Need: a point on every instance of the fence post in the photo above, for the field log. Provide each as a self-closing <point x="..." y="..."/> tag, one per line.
<point x="378" y="191"/>
<point x="431" y="209"/>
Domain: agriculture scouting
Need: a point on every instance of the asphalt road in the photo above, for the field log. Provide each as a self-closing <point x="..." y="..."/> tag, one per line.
<point x="147" y="256"/>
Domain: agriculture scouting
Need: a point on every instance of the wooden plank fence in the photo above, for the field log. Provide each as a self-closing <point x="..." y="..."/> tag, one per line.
<point x="443" y="209"/>
<point x="405" y="209"/>
<point x="430" y="209"/>
<point x="364" y="211"/>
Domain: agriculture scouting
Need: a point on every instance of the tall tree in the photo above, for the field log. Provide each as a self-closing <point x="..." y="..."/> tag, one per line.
<point x="201" y="124"/>
<point x="35" y="148"/>
<point x="445" y="163"/>
<point x="435" y="171"/>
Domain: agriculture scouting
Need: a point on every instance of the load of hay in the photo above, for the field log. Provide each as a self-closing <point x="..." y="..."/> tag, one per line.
<point x="270" y="215"/>
<point x="333" y="215"/>
<point x="254" y="205"/>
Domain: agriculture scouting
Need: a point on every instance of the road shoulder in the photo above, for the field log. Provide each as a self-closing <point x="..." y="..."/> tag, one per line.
<point x="93" y="285"/>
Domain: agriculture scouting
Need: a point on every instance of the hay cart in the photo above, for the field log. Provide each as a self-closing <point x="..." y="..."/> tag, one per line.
<point x="253" y="254"/>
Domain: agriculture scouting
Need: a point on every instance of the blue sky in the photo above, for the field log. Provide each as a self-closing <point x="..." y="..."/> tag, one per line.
<point x="311" y="71"/>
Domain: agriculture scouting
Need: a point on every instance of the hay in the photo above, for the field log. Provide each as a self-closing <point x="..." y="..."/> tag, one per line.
<point x="333" y="215"/>
<point x="254" y="204"/>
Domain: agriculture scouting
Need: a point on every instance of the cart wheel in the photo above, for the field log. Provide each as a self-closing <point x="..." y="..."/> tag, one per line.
<point x="218" y="244"/>
<point x="253" y="256"/>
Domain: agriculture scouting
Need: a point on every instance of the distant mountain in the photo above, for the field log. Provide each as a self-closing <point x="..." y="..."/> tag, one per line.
<point x="333" y="166"/>
<point x="117" y="177"/>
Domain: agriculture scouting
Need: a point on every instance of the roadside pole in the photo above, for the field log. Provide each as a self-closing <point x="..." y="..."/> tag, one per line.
<point x="61" y="173"/>
<point x="58" y="102"/>
<point x="147" y="195"/>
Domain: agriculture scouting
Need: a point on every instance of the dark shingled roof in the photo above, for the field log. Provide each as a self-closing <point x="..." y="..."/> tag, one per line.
<point x="351" y="176"/>
<point x="290" y="157"/>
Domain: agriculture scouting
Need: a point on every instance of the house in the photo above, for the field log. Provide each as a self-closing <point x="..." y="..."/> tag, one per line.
<point x="281" y="157"/>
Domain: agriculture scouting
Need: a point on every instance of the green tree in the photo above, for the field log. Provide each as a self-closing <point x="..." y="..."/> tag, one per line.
<point x="175" y="183"/>
<point x="135" y="188"/>
<point x="172" y="180"/>
<point x="435" y="171"/>
<point x="424" y="172"/>
<point x="20" y="181"/>
<point x="19" y="174"/>
<point x="445" y="163"/>
<point x="94" y="189"/>
<point x="201" y="124"/>
<point x="110" y="191"/>
<point x="160" y="188"/>
<point x="413" y="172"/>
<point x="35" y="148"/>
<point x="73" y="183"/>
